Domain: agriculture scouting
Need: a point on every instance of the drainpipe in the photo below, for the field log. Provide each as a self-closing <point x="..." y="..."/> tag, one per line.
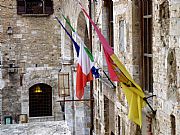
<point x="91" y="83"/>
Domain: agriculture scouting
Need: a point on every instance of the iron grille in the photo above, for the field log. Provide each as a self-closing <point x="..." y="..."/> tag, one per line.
<point x="40" y="100"/>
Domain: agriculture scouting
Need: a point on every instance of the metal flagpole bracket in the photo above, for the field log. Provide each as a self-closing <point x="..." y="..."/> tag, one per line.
<point x="150" y="96"/>
<point x="113" y="85"/>
<point x="145" y="99"/>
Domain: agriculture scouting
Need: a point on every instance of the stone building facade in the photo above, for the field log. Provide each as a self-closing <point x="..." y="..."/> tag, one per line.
<point x="146" y="40"/>
<point x="34" y="52"/>
<point x="30" y="55"/>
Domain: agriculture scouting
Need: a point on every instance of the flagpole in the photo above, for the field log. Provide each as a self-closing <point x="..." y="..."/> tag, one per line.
<point x="109" y="79"/>
<point x="91" y="83"/>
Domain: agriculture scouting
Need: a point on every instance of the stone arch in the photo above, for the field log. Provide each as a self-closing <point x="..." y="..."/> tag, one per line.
<point x="33" y="80"/>
<point x="68" y="47"/>
<point x="172" y="74"/>
<point x="40" y="100"/>
<point x="82" y="29"/>
<point x="39" y="80"/>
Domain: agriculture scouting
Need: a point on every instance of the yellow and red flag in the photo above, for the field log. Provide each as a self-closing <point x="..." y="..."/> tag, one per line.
<point x="118" y="72"/>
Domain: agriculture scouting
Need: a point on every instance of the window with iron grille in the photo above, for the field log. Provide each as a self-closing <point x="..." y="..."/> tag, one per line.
<point x="40" y="100"/>
<point x="34" y="7"/>
<point x="147" y="45"/>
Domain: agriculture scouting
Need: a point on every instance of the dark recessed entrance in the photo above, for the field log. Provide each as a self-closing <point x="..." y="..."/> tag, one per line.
<point x="40" y="100"/>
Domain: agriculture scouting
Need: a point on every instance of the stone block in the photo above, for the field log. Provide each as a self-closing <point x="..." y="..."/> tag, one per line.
<point x="17" y="35"/>
<point x="174" y="26"/>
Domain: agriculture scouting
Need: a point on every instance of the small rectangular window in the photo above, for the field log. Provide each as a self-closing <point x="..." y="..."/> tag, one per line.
<point x="34" y="7"/>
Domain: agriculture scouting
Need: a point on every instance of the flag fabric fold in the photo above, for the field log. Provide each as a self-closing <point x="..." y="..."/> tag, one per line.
<point x="84" y="73"/>
<point x="74" y="42"/>
<point x="85" y="62"/>
<point x="93" y="69"/>
<point x="118" y="72"/>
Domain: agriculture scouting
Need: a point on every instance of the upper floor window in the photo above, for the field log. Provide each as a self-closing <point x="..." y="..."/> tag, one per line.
<point x="147" y="46"/>
<point x="34" y="7"/>
<point x="109" y="5"/>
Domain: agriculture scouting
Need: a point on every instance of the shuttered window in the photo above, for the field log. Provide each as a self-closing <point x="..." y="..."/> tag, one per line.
<point x="35" y="7"/>
<point x="48" y="7"/>
<point x="21" y="7"/>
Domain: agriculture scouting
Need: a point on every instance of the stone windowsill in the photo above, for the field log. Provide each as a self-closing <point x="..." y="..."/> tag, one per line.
<point x="35" y="15"/>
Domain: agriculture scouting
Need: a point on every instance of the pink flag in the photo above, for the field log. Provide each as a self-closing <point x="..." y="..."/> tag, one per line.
<point x="107" y="49"/>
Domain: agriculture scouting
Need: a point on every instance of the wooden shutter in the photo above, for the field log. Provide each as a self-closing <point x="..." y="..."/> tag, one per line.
<point x="48" y="6"/>
<point x="21" y="8"/>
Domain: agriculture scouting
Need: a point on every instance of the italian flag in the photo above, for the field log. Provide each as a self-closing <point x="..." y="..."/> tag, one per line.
<point x="85" y="62"/>
<point x="84" y="74"/>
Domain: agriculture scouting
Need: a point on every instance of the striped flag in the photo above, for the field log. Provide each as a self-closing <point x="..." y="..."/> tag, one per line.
<point x="118" y="72"/>
<point x="85" y="63"/>
<point x="84" y="73"/>
<point x="93" y="69"/>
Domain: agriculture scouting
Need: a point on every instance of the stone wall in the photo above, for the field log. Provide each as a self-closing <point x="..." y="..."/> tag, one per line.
<point x="166" y="66"/>
<point x="39" y="48"/>
<point x="127" y="46"/>
<point x="34" y="49"/>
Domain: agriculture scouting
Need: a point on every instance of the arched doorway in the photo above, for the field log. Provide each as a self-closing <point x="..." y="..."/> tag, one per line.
<point x="40" y="100"/>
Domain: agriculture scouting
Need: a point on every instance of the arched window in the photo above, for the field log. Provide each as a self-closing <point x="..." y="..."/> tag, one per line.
<point x="82" y="29"/>
<point x="68" y="44"/>
<point x="40" y="100"/>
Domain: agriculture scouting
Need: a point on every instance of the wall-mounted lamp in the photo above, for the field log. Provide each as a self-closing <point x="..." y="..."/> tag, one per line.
<point x="37" y="89"/>
<point x="60" y="67"/>
<point x="63" y="84"/>
<point x="10" y="30"/>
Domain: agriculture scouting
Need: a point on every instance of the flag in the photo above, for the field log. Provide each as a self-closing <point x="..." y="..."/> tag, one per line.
<point x="84" y="73"/>
<point x="118" y="72"/>
<point x="85" y="63"/>
<point x="74" y="42"/>
<point x="93" y="69"/>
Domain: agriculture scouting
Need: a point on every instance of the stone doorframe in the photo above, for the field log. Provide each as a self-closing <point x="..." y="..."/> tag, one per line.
<point x="32" y="79"/>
